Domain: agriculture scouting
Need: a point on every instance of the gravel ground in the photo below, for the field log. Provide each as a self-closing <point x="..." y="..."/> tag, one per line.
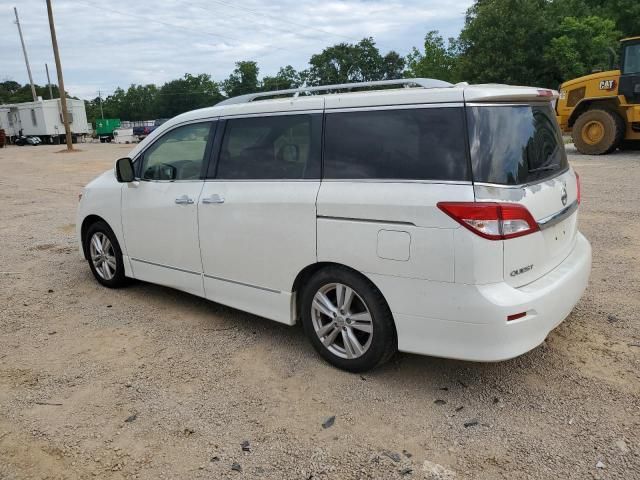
<point x="147" y="382"/>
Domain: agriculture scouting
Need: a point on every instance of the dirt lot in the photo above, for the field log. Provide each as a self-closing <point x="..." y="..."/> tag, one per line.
<point x="151" y="383"/>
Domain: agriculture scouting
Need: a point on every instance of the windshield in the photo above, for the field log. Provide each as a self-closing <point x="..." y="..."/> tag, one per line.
<point x="515" y="144"/>
<point x="631" y="59"/>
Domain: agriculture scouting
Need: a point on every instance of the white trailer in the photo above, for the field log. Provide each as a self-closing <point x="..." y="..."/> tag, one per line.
<point x="43" y="119"/>
<point x="4" y="121"/>
<point x="124" y="135"/>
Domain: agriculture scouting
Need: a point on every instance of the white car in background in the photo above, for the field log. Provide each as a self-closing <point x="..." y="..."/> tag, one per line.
<point x="436" y="219"/>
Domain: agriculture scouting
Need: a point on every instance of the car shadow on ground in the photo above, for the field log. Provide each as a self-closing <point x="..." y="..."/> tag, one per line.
<point x="289" y="347"/>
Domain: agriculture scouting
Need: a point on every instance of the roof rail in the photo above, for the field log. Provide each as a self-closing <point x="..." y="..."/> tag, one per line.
<point x="419" y="82"/>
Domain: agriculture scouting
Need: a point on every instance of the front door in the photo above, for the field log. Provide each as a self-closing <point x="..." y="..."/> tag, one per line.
<point x="159" y="212"/>
<point x="258" y="215"/>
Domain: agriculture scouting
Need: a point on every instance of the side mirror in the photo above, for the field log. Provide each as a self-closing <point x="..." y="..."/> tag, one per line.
<point x="124" y="170"/>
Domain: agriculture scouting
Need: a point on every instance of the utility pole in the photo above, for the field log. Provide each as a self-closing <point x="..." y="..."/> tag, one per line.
<point x="100" y="101"/>
<point x="46" y="67"/>
<point x="26" y="59"/>
<point x="63" y="95"/>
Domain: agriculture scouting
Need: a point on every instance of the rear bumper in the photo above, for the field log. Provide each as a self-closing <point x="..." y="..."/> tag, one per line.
<point x="469" y="322"/>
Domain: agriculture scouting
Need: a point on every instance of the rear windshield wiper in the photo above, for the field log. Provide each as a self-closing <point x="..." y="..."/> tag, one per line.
<point x="543" y="169"/>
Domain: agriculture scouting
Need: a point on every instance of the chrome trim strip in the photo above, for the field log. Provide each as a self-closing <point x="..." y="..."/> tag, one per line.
<point x="556" y="218"/>
<point x="396" y="180"/>
<point x="208" y="276"/>
<point x="396" y="106"/>
<point x="510" y="103"/>
<point x="338" y="180"/>
<point x="242" y="283"/>
<point x="262" y="180"/>
<point x="278" y="113"/>
<point x="165" y="266"/>
<point x="524" y="185"/>
<point x="366" y="220"/>
<point x="149" y="180"/>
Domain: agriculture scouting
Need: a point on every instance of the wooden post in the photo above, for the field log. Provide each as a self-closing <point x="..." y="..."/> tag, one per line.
<point x="46" y="67"/>
<point x="63" y="96"/>
<point x="26" y="58"/>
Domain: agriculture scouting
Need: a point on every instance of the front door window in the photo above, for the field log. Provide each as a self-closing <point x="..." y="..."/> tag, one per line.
<point x="178" y="154"/>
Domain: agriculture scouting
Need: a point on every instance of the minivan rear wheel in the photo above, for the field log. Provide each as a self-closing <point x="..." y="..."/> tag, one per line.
<point x="347" y="320"/>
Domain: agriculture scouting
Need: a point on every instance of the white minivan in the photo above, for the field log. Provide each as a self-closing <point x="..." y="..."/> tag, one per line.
<point x="413" y="215"/>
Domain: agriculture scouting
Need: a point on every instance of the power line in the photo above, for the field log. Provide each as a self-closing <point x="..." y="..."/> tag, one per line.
<point x="181" y="27"/>
<point x="272" y="48"/>
<point x="263" y="14"/>
<point x="256" y="58"/>
<point x="158" y="93"/>
<point x="288" y="31"/>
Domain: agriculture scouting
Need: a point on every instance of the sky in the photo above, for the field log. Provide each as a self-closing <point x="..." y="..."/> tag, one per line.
<point x="110" y="43"/>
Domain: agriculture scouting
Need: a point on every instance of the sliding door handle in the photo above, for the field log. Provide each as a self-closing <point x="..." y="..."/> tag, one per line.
<point x="184" y="200"/>
<point x="213" y="198"/>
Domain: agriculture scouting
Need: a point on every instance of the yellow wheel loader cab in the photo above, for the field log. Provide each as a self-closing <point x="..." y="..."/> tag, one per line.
<point x="601" y="111"/>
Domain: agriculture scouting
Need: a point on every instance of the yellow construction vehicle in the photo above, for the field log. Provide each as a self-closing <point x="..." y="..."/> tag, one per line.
<point x="602" y="110"/>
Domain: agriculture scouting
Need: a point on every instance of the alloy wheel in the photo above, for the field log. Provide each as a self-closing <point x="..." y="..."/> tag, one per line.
<point x="342" y="321"/>
<point x="102" y="256"/>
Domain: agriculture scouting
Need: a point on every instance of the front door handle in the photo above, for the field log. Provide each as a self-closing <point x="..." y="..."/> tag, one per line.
<point x="184" y="200"/>
<point x="213" y="198"/>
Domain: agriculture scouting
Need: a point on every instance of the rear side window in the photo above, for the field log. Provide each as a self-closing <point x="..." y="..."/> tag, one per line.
<point x="271" y="147"/>
<point x="409" y="144"/>
<point x="513" y="145"/>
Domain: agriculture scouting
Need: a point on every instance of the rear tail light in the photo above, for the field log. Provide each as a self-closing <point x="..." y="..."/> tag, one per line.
<point x="578" y="186"/>
<point x="494" y="221"/>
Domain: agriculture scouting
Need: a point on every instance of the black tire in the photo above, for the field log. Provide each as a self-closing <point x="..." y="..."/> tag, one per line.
<point x="383" y="343"/>
<point x="118" y="280"/>
<point x="612" y="124"/>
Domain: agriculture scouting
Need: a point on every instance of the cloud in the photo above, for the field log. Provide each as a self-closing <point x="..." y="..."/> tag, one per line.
<point x="108" y="44"/>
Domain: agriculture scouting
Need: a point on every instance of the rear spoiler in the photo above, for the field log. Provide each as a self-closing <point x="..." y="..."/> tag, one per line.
<point x="508" y="93"/>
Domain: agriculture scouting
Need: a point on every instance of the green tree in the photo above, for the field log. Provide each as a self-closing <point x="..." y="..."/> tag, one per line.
<point x="503" y="41"/>
<point x="393" y="65"/>
<point x="140" y="102"/>
<point x="347" y="63"/>
<point x="538" y="42"/>
<point x="13" y="92"/>
<point x="188" y="93"/>
<point x="243" y="79"/>
<point x="625" y="14"/>
<point x="92" y="108"/>
<point x="287" y="77"/>
<point x="113" y="106"/>
<point x="580" y="45"/>
<point x="438" y="60"/>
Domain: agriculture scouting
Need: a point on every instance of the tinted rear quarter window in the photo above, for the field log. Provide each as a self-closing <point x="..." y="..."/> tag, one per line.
<point x="413" y="144"/>
<point x="512" y="145"/>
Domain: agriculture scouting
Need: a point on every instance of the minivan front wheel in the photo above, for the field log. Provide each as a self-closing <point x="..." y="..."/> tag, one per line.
<point x="104" y="255"/>
<point x="347" y="320"/>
